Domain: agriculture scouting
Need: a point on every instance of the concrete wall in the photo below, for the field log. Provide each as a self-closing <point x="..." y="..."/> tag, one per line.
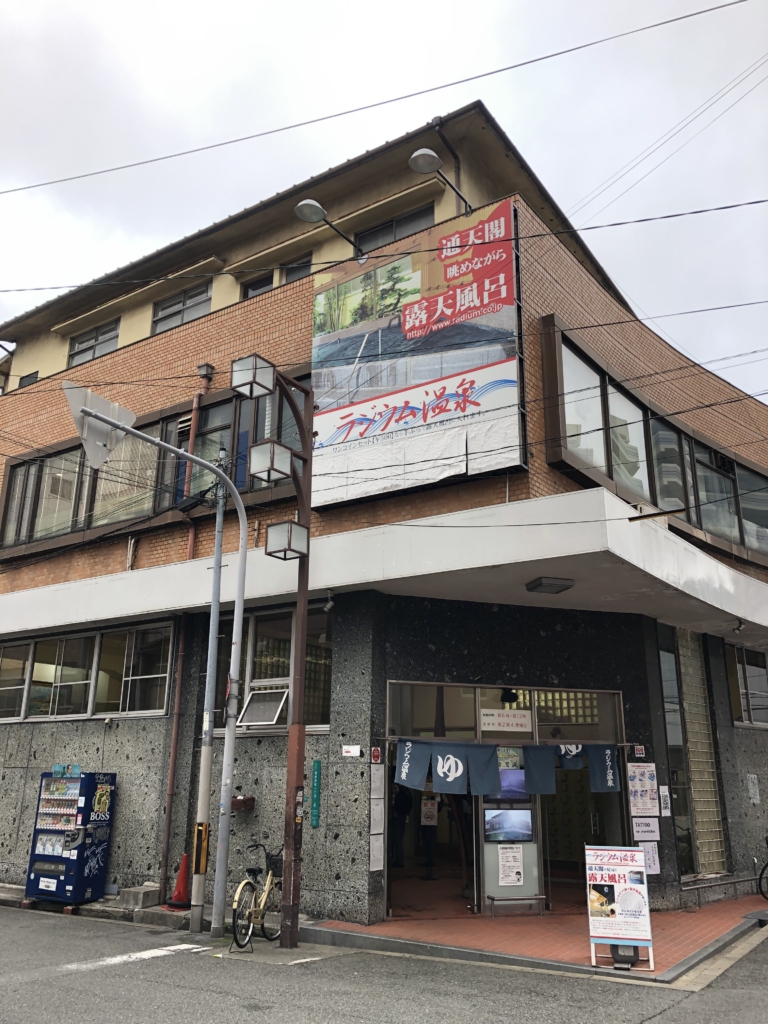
<point x="741" y="750"/>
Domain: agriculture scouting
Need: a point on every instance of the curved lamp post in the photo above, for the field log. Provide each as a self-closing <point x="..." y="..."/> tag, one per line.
<point x="426" y="161"/>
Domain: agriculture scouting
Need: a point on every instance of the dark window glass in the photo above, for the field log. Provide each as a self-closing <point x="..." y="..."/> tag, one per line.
<point x="298" y="268"/>
<point x="678" y="762"/>
<point x="56" y="505"/>
<point x="13" y="672"/>
<point x="243" y="440"/>
<point x="91" y="344"/>
<point x="61" y="677"/>
<point x="29" y="378"/>
<point x="109" y="679"/>
<point x="757" y="685"/>
<point x="753" y="499"/>
<point x="146" y="675"/>
<point x="317" y="692"/>
<point x="583" y="409"/>
<point x="180" y="309"/>
<point x="717" y="505"/>
<point x="125" y="485"/>
<point x="737" y="683"/>
<point x="668" y="467"/>
<point x="628" y="457"/>
<point x="398" y="227"/>
<point x="259" y="286"/>
<point x="11" y="530"/>
<point x="690" y="480"/>
<point x="214" y="434"/>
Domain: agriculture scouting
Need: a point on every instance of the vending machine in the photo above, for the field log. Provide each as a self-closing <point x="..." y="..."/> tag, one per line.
<point x="70" y="843"/>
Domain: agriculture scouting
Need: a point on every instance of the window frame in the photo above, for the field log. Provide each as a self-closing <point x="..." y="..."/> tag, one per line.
<point x="734" y="687"/>
<point x="158" y="318"/>
<point x="360" y="235"/>
<point x="301" y="263"/>
<point x="95" y="331"/>
<point x="98" y="635"/>
<point x="555" y="334"/>
<point x="278" y="683"/>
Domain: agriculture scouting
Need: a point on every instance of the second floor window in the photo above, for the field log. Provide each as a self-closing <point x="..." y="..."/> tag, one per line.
<point x="180" y="309"/>
<point x="748" y="683"/>
<point x="99" y="341"/>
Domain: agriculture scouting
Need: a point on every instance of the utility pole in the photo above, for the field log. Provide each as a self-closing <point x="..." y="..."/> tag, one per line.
<point x="202" y="827"/>
<point x="92" y="414"/>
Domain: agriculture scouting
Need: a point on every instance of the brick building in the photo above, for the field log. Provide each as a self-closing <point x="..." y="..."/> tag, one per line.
<point x="490" y="418"/>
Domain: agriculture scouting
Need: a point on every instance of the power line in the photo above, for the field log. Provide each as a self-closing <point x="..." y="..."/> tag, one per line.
<point x="662" y="140"/>
<point x="391" y="255"/>
<point x="370" y="106"/>
<point x="674" y="151"/>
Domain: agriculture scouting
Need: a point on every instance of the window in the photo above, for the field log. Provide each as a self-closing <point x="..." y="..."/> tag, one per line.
<point x="753" y="499"/>
<point x="133" y="670"/>
<point x="117" y="672"/>
<point x="125" y="485"/>
<point x="14" y="659"/>
<point x="269" y="638"/>
<point x="61" y="675"/>
<point x="259" y="286"/>
<point x="43" y="498"/>
<point x="259" y="419"/>
<point x="298" y="268"/>
<point x="92" y="344"/>
<point x="717" y="504"/>
<point x="214" y="433"/>
<point x="668" y="467"/>
<point x="629" y="461"/>
<point x="583" y="406"/>
<point x="678" y="761"/>
<point x="29" y="378"/>
<point x="180" y="309"/>
<point x="399" y="227"/>
<point x="748" y="682"/>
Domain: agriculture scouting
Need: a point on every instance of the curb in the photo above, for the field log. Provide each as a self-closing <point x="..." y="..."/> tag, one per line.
<point x="708" y="951"/>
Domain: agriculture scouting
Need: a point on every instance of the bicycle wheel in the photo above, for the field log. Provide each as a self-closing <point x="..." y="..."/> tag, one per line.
<point x="242" y="925"/>
<point x="762" y="882"/>
<point x="273" y="910"/>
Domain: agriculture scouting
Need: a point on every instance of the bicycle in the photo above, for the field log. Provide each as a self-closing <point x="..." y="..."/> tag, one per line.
<point x="762" y="882"/>
<point x="259" y="902"/>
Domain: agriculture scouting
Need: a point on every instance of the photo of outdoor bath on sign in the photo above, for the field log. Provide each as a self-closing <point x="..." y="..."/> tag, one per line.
<point x="414" y="361"/>
<point x="617" y="898"/>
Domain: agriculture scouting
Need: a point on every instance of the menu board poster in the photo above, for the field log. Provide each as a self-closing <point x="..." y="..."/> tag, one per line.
<point x="617" y="894"/>
<point x="643" y="789"/>
<point x="510" y="865"/>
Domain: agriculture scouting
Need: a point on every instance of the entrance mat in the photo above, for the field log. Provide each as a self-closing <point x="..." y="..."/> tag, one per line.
<point x="681" y="938"/>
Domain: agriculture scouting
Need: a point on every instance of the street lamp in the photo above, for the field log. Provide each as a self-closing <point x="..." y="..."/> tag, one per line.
<point x="426" y="161"/>
<point x="253" y="377"/>
<point x="102" y="425"/>
<point x="312" y="212"/>
<point x="289" y="540"/>
<point x="286" y="540"/>
<point x="270" y="460"/>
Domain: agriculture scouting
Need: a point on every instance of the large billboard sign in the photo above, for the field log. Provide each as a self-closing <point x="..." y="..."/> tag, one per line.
<point x="414" y="361"/>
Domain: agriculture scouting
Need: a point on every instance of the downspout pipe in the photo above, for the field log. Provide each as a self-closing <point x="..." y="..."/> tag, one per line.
<point x="456" y="164"/>
<point x="172" y="761"/>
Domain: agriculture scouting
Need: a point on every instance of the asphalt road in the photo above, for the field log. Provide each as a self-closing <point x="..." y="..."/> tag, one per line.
<point x="63" y="969"/>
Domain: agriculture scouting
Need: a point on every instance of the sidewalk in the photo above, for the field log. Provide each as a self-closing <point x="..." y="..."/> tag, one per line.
<point x="681" y="938"/>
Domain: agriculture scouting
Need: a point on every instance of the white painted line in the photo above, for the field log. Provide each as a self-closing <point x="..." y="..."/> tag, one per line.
<point x="306" y="960"/>
<point x="127" y="958"/>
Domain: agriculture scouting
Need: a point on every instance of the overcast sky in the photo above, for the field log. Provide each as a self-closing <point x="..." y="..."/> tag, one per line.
<point x="84" y="85"/>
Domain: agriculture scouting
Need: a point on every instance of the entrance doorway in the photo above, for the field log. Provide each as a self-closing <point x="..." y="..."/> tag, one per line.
<point x="431" y="854"/>
<point x="445" y="852"/>
<point x="570" y="818"/>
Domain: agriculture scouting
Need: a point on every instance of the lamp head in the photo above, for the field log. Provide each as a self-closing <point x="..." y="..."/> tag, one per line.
<point x="310" y="211"/>
<point x="425" y="161"/>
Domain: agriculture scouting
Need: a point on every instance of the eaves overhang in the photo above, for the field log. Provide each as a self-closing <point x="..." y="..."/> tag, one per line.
<point x="485" y="555"/>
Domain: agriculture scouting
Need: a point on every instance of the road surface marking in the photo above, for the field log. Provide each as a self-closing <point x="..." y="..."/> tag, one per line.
<point x="127" y="958"/>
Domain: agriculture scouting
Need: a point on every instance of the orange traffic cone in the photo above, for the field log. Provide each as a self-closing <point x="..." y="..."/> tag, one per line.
<point x="180" y="899"/>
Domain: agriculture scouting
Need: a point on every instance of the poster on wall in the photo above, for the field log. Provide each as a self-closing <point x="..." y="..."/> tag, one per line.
<point x="643" y="790"/>
<point x="510" y="865"/>
<point x="617" y="894"/>
<point x="414" y="361"/>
